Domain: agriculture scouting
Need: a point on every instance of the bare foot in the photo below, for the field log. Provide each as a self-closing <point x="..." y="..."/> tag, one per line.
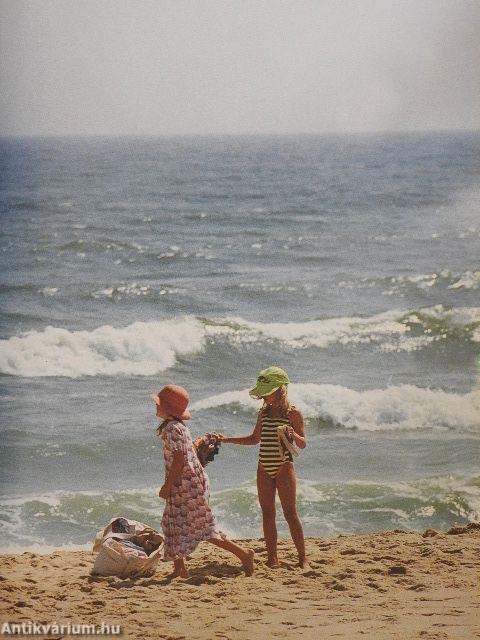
<point x="303" y="563"/>
<point x="248" y="562"/>
<point x="179" y="569"/>
<point x="273" y="564"/>
<point x="179" y="573"/>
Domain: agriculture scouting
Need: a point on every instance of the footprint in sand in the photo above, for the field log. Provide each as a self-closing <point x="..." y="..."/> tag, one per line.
<point x="86" y="589"/>
<point x="343" y="575"/>
<point x="195" y="580"/>
<point x="417" y="587"/>
<point x="99" y="603"/>
<point x="375" y="585"/>
<point x="310" y="573"/>
<point x="350" y="551"/>
<point x="397" y="570"/>
<point x="334" y="584"/>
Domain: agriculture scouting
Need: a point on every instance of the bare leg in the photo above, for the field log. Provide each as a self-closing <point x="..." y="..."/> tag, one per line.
<point x="179" y="568"/>
<point x="287" y="492"/>
<point x="244" y="555"/>
<point x="266" y="497"/>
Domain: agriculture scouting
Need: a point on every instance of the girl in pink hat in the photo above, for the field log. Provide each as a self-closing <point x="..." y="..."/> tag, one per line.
<point x="187" y="517"/>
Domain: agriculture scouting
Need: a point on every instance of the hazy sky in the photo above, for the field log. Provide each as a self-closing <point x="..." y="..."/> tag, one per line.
<point x="239" y="66"/>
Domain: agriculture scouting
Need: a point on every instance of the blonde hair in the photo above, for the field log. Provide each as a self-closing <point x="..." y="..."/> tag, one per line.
<point x="284" y="402"/>
<point x="161" y="427"/>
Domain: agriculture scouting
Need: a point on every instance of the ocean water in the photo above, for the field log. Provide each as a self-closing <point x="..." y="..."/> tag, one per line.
<point x="129" y="263"/>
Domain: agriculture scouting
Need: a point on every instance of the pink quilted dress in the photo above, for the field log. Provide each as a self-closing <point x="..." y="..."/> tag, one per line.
<point x="187" y="517"/>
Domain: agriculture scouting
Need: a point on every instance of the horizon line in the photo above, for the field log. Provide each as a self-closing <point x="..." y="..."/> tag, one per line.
<point x="352" y="132"/>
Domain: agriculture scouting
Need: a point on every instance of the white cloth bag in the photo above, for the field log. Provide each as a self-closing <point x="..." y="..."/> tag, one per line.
<point x="116" y="559"/>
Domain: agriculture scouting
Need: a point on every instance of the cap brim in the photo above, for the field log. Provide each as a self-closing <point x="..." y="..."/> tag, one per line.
<point x="262" y="390"/>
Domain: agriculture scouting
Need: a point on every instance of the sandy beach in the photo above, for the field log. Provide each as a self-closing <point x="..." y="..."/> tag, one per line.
<point x="395" y="585"/>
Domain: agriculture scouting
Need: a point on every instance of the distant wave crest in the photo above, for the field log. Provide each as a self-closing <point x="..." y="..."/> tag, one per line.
<point x="397" y="284"/>
<point x="391" y="330"/>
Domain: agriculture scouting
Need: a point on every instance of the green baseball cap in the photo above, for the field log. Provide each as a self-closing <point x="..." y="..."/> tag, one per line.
<point x="268" y="381"/>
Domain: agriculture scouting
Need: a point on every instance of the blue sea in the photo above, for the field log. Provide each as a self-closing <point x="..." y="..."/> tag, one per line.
<point x="128" y="263"/>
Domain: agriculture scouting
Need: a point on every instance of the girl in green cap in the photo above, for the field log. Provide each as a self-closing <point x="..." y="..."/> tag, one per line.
<point x="275" y="465"/>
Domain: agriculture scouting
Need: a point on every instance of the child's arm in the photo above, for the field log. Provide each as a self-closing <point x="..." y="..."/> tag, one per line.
<point x="253" y="438"/>
<point x="297" y="429"/>
<point x="174" y="473"/>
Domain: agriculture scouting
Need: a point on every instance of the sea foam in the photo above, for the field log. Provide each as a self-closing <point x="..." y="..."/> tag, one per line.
<point x="147" y="348"/>
<point x="327" y="508"/>
<point x="142" y="348"/>
<point x="400" y="284"/>
<point x="403" y="407"/>
<point x="394" y="330"/>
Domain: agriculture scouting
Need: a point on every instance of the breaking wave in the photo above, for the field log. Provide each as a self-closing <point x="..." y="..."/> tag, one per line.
<point x="147" y="348"/>
<point x="390" y="331"/>
<point x="404" y="407"/>
<point x="142" y="348"/>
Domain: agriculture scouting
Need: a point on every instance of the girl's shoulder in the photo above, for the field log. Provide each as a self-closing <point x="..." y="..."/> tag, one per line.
<point x="295" y="414"/>
<point x="174" y="426"/>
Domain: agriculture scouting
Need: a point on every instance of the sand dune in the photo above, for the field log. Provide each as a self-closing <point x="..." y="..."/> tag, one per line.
<point x="388" y="585"/>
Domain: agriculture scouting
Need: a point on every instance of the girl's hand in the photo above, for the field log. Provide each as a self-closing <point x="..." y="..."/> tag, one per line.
<point x="290" y="433"/>
<point x="164" y="492"/>
<point x="198" y="441"/>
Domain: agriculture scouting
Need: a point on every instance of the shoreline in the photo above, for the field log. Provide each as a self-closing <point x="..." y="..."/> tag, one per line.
<point x="390" y="584"/>
<point x="46" y="549"/>
<point x="50" y="550"/>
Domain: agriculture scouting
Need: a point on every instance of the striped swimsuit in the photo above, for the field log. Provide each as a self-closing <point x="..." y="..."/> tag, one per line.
<point x="270" y="447"/>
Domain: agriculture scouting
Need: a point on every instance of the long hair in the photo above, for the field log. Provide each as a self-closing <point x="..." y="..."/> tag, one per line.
<point x="284" y="402"/>
<point x="162" y="426"/>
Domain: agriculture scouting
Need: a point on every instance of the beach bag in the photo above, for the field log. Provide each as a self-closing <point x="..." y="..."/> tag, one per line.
<point x="118" y="555"/>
